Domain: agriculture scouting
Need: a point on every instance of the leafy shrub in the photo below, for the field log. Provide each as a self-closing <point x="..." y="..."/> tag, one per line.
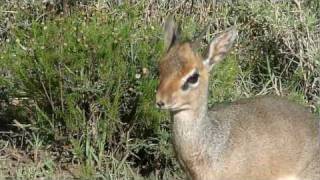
<point x="90" y="80"/>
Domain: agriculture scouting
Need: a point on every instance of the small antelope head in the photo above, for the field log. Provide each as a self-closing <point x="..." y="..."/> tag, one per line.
<point x="184" y="73"/>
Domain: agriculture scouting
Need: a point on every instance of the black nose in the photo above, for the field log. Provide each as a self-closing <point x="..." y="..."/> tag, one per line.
<point x="160" y="104"/>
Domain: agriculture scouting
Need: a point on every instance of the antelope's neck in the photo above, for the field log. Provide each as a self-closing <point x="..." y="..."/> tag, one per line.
<point x="187" y="127"/>
<point x="197" y="137"/>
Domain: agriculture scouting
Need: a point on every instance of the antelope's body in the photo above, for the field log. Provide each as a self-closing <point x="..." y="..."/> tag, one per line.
<point x="265" y="138"/>
<point x="258" y="139"/>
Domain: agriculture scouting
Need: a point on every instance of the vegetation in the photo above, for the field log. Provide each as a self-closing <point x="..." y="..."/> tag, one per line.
<point x="78" y="78"/>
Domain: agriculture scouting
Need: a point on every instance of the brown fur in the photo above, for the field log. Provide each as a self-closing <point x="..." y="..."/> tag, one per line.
<point x="270" y="138"/>
<point x="263" y="138"/>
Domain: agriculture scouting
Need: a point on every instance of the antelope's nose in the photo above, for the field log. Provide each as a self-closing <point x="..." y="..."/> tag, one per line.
<point x="160" y="104"/>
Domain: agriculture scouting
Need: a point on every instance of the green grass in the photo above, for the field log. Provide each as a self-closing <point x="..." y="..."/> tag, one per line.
<point x="77" y="88"/>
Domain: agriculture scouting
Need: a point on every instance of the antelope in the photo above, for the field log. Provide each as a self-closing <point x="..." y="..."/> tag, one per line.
<point x="261" y="138"/>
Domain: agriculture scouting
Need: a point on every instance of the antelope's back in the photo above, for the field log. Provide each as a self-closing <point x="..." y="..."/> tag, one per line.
<point x="268" y="137"/>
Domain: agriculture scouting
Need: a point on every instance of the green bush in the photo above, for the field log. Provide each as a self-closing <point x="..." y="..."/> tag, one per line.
<point x="90" y="80"/>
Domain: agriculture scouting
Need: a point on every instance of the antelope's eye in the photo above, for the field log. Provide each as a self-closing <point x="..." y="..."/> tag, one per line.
<point x="192" y="80"/>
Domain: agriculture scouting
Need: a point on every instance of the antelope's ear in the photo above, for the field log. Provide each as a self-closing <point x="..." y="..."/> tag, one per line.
<point x="220" y="47"/>
<point x="172" y="33"/>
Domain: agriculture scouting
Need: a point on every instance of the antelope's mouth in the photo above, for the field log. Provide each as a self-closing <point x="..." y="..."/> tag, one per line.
<point x="175" y="108"/>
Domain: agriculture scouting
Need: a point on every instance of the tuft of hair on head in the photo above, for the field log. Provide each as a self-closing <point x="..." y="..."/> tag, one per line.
<point x="196" y="42"/>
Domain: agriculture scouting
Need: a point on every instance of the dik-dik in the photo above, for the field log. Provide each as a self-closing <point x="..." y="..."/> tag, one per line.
<point x="263" y="138"/>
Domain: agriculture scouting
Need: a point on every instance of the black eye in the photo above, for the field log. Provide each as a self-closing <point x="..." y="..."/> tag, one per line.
<point x="191" y="80"/>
